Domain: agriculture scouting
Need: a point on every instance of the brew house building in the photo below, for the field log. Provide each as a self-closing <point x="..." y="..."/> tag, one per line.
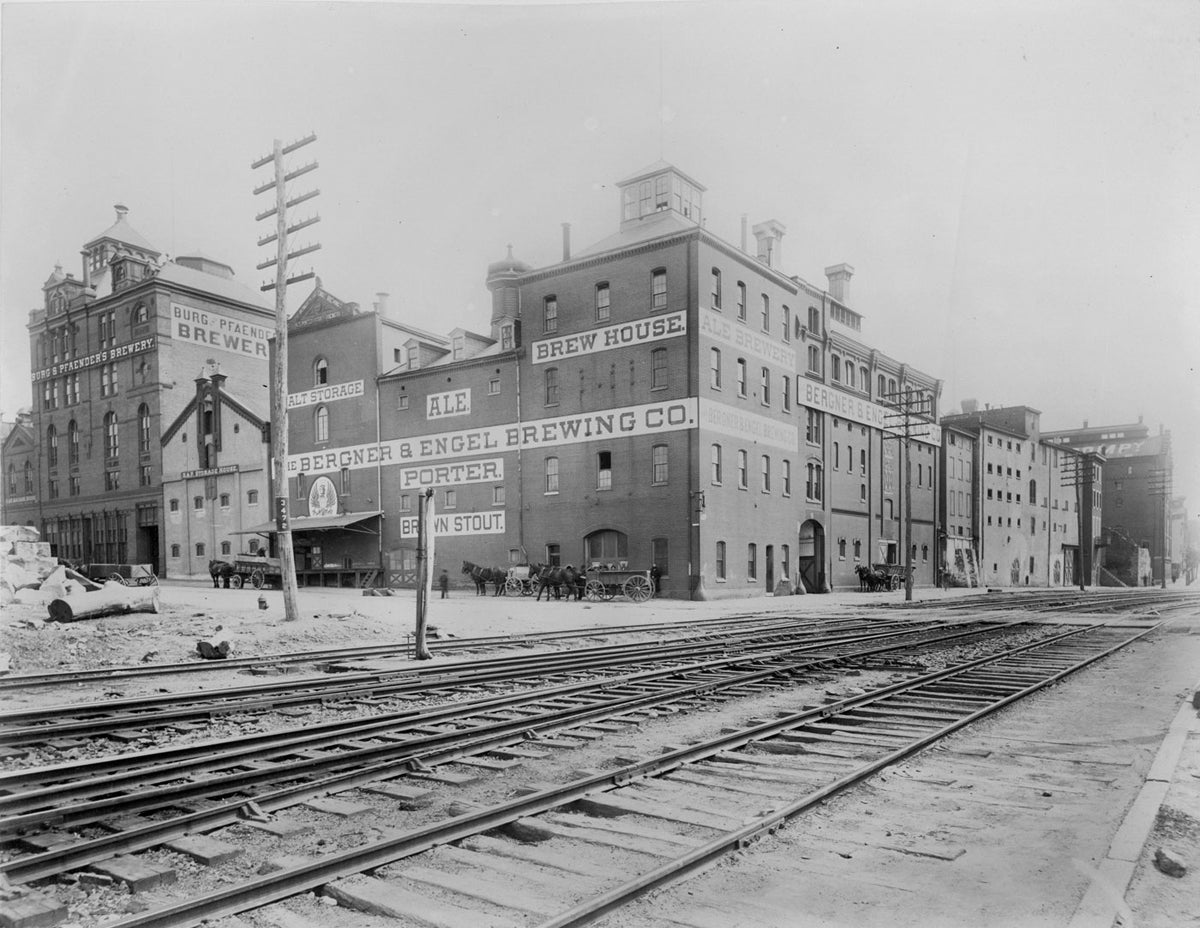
<point x="114" y="353"/>
<point x="663" y="397"/>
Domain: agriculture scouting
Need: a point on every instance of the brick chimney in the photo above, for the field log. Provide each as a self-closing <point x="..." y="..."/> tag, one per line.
<point x="769" y="236"/>
<point x="839" y="276"/>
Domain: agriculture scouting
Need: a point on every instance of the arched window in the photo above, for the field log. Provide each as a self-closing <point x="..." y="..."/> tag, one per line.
<point x="849" y="373"/>
<point x="882" y="387"/>
<point x="140" y="315"/>
<point x="52" y="446"/>
<point x="112" y="439"/>
<point x="321" y="424"/>
<point x="320" y="372"/>
<point x="143" y="429"/>
<point x="12" y="479"/>
<point x="606" y="546"/>
<point x="836" y="368"/>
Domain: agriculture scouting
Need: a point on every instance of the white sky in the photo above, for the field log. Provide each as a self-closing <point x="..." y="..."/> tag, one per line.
<point x="1015" y="182"/>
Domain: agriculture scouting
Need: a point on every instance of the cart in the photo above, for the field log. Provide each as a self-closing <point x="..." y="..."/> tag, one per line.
<point x="605" y="583"/>
<point x="258" y="571"/>
<point x="125" y="574"/>
<point x="521" y="581"/>
<point x="897" y="574"/>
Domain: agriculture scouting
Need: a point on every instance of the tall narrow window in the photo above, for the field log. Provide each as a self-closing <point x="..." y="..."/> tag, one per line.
<point x="658" y="369"/>
<point x="787" y="323"/>
<point x="604" y="470"/>
<point x="551" y="475"/>
<point x="752" y="561"/>
<point x="320" y="372"/>
<point x="766" y="313"/>
<point x="864" y="379"/>
<point x="814" y="359"/>
<point x="741" y="301"/>
<point x="812" y="486"/>
<point x="345" y="479"/>
<point x="28" y="477"/>
<point x="766" y="473"/>
<point x="812" y="427"/>
<point x="720" y="560"/>
<point x="881" y="388"/>
<point x="716" y="464"/>
<point x="112" y="441"/>
<point x="658" y="290"/>
<point x="72" y="443"/>
<point x="321" y="424"/>
<point x="714" y="362"/>
<point x="143" y="429"/>
<point x="741" y="376"/>
<point x="743" y="477"/>
<point x="765" y="384"/>
<point x="716" y="288"/>
<point x="787" y="477"/>
<point x="787" y="393"/>
<point x="52" y="446"/>
<point x="551" y="381"/>
<point x="658" y="458"/>
<point x="549" y="315"/>
<point x="835" y="368"/>
<point x="603" y="306"/>
<point x="814" y="321"/>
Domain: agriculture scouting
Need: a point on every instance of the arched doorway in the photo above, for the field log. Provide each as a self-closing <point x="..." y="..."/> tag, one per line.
<point x="812" y="556"/>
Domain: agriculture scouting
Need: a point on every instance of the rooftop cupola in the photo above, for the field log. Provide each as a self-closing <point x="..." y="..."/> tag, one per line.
<point x="503" y="280"/>
<point x="659" y="188"/>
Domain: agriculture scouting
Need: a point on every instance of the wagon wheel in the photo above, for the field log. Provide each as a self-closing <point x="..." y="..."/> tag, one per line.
<point x="237" y="581"/>
<point x="594" y="591"/>
<point x="117" y="578"/>
<point x="258" y="577"/>
<point x="153" y="580"/>
<point x="638" y="589"/>
<point x="527" y="588"/>
<point x="512" y="587"/>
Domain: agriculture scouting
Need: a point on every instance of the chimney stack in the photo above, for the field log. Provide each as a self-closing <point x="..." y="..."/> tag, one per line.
<point x="121" y="211"/>
<point x="381" y="299"/>
<point x="769" y="236"/>
<point x="566" y="239"/>
<point x="839" y="276"/>
<point x="970" y="407"/>
<point x="743" y="233"/>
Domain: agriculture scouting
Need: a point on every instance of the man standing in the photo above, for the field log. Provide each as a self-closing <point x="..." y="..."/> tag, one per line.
<point x="444" y="584"/>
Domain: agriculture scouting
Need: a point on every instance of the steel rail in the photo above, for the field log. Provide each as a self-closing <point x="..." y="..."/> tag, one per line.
<point x="100" y="717"/>
<point x="310" y="876"/>
<point x="456" y="746"/>
<point x="437" y="646"/>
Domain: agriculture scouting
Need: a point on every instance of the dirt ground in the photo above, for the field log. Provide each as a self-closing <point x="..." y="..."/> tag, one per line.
<point x="1002" y="827"/>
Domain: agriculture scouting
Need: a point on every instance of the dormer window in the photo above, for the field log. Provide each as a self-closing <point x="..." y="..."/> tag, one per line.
<point x="459" y="347"/>
<point x="414" y="357"/>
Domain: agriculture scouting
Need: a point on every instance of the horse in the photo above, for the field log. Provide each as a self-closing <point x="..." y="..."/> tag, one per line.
<point x="220" y="570"/>
<point x="556" y="578"/>
<point x="871" y="580"/>
<point x="481" y="576"/>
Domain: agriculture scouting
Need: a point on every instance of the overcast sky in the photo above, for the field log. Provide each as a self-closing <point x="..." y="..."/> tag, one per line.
<point x="1015" y="183"/>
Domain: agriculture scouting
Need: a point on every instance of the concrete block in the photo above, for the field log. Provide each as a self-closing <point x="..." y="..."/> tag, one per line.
<point x="138" y="875"/>
<point x="31" y="910"/>
<point x="208" y="851"/>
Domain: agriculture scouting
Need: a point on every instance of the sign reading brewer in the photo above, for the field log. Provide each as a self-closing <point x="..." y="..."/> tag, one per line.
<point x="214" y="330"/>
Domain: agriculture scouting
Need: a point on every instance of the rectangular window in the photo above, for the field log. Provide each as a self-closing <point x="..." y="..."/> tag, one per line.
<point x="551" y="475"/>
<point x="451" y="500"/>
<point x="345" y="479"/>
<point x="812" y="427"/>
<point x="714" y="361"/>
<point x="787" y="323"/>
<point x="550" y="377"/>
<point x="741" y="376"/>
<point x="658" y="369"/>
<point x="402" y="401"/>
<point x="405" y="502"/>
<point x="766" y="473"/>
<point x="743" y="477"/>
<point x="765" y="382"/>
<point x="741" y="301"/>
<point x="497" y="496"/>
<point x="604" y="470"/>
<point x="603" y="306"/>
<point x="766" y="313"/>
<point x="720" y="560"/>
<point x="658" y="291"/>
<point x="814" y="359"/>
<point x="494" y="386"/>
<point x="752" y="561"/>
<point x="716" y="289"/>
<point x="787" y="393"/>
<point x="53" y="488"/>
<point x="144" y="477"/>
<point x="74" y="485"/>
<point x="787" y="477"/>
<point x="549" y="315"/>
<point x="716" y="464"/>
<point x="658" y="457"/>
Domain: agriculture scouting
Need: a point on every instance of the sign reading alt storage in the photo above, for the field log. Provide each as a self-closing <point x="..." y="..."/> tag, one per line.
<point x="621" y="422"/>
<point x="326" y="393"/>
<point x="213" y="330"/>
<point x="621" y="335"/>
<point x="447" y="524"/>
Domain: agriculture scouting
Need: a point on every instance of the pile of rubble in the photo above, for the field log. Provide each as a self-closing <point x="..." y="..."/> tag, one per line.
<point x="29" y="573"/>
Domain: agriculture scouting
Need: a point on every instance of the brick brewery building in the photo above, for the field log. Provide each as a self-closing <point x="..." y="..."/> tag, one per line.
<point x="114" y="354"/>
<point x="662" y="397"/>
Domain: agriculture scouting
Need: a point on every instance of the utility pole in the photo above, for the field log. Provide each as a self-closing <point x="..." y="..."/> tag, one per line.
<point x="279" y="373"/>
<point x="1079" y="472"/>
<point x="911" y="412"/>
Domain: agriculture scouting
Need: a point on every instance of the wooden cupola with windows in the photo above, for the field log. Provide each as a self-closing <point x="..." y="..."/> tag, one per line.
<point x="657" y="189"/>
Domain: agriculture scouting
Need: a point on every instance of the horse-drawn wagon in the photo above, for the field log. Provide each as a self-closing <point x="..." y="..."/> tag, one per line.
<point x="125" y="574"/>
<point x="605" y="583"/>
<point x="521" y="581"/>
<point x="257" y="571"/>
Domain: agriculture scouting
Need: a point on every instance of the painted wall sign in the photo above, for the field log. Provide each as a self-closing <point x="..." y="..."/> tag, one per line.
<point x="210" y="471"/>
<point x="214" y="330"/>
<point x="1146" y="447"/>
<point x="857" y="409"/>
<point x="624" y="422"/>
<point x="99" y="357"/>
<point x="488" y="470"/>
<point x="760" y="344"/>
<point x="326" y="393"/>
<point x="322" y="498"/>
<point x="447" y="524"/>
<point x="640" y="332"/>
<point x="445" y="405"/>
<point x="747" y="425"/>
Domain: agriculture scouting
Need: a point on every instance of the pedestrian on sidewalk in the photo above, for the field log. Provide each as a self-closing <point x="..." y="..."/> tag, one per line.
<point x="444" y="584"/>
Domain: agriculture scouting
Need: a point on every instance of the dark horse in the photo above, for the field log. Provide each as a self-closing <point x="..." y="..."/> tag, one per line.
<point x="481" y="576"/>
<point x="872" y="580"/>
<point x="555" y="578"/>
<point x="220" y="570"/>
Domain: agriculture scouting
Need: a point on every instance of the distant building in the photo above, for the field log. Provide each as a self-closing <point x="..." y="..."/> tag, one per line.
<point x="1037" y="505"/>
<point x="1137" y="491"/>
<point x="113" y="354"/>
<point x="20" y="455"/>
<point x="662" y="398"/>
<point x="960" y="554"/>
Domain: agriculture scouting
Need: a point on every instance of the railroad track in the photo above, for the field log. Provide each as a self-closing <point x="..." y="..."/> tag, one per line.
<point x="1060" y="600"/>
<point x="143" y="800"/>
<point x="63" y="727"/>
<point x="585" y="847"/>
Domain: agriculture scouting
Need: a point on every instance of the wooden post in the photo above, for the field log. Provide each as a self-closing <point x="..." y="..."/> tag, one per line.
<point x="420" y="648"/>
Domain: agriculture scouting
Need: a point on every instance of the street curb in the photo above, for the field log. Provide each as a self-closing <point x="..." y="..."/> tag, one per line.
<point x="1104" y="900"/>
